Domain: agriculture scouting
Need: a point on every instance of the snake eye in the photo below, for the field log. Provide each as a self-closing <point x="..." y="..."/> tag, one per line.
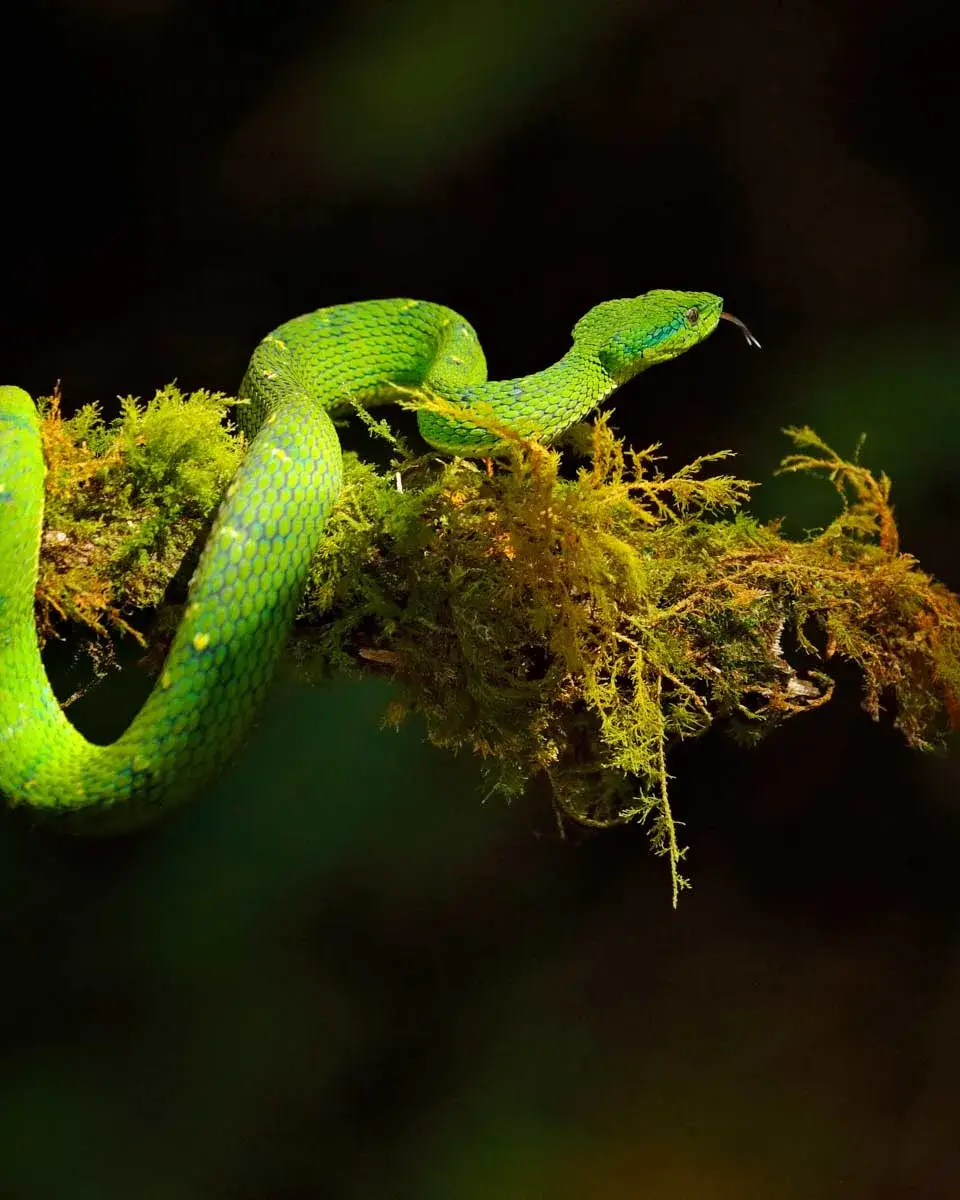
<point x="693" y="315"/>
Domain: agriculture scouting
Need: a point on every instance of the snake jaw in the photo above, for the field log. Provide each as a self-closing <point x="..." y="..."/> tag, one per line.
<point x="750" y="339"/>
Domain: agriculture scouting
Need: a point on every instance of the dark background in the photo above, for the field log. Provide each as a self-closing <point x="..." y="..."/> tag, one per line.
<point x="341" y="975"/>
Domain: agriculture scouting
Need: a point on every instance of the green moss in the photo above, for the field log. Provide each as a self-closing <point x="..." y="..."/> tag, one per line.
<point x="125" y="501"/>
<point x="569" y="624"/>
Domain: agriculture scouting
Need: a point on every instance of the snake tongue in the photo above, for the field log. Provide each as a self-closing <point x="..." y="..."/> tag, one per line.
<point x="751" y="340"/>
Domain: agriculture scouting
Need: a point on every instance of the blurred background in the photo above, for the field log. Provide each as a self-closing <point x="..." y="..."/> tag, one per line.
<point x="342" y="974"/>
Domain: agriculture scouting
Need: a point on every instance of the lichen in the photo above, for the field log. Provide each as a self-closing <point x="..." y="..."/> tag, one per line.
<point x="575" y="622"/>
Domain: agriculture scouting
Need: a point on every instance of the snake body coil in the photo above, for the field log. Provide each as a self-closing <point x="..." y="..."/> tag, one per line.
<point x="246" y="588"/>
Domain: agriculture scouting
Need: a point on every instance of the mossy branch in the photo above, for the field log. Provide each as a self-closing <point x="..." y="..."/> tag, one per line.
<point x="573" y="624"/>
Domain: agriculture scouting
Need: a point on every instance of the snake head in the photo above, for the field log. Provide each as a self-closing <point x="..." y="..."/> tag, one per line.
<point x="627" y="336"/>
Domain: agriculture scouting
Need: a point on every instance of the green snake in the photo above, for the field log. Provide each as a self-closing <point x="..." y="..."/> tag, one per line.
<point x="244" y="593"/>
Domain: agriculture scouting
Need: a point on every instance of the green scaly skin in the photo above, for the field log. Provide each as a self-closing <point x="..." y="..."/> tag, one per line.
<point x="245" y="591"/>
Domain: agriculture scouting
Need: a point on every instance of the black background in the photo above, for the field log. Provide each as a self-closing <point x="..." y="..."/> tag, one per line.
<point x="341" y="975"/>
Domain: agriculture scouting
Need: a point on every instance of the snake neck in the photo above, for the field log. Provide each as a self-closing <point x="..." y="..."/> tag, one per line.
<point x="539" y="406"/>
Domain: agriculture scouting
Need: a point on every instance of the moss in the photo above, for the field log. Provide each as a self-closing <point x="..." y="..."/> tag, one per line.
<point x="574" y="624"/>
<point x="124" y="502"/>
